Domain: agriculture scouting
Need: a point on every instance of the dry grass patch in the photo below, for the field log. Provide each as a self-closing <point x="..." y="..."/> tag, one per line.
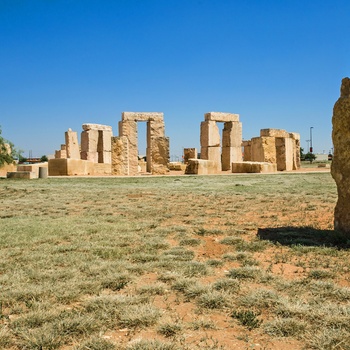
<point x="190" y="263"/>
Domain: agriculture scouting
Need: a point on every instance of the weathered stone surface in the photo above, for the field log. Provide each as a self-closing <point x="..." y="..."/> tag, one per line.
<point x="274" y="146"/>
<point x="210" y="136"/>
<point x="340" y="168"/>
<point x="61" y="154"/>
<point x="232" y="134"/>
<point x="230" y="155"/>
<point x="160" y="155"/>
<point x="274" y="133"/>
<point x="120" y="152"/>
<point x="221" y="117"/>
<point x="247" y="150"/>
<point x="71" y="167"/>
<point x="201" y="167"/>
<point x="157" y="151"/>
<point x="177" y="166"/>
<point x="284" y="153"/>
<point x="254" y="167"/>
<point x="22" y="175"/>
<point x="90" y="126"/>
<point x="89" y="141"/>
<point x="104" y="146"/>
<point x="213" y="154"/>
<point x="263" y="149"/>
<point x="31" y="167"/>
<point x="128" y="128"/>
<point x="142" y="116"/>
<point x="296" y="150"/>
<point x="72" y="144"/>
<point x="190" y="153"/>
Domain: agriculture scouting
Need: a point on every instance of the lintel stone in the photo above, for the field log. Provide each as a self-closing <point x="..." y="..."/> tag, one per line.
<point x="221" y="117"/>
<point x="142" y="116"/>
<point x="90" y="126"/>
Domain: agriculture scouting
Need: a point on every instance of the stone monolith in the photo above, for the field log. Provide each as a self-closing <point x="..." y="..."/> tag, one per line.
<point x="341" y="159"/>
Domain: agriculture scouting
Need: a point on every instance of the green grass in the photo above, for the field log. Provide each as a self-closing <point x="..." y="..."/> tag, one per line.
<point x="84" y="259"/>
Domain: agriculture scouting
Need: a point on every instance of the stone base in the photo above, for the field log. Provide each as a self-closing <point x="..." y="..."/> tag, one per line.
<point x="32" y="167"/>
<point x="254" y="167"/>
<point x="71" y="167"/>
<point x="178" y="166"/>
<point x="201" y="167"/>
<point x="22" y="175"/>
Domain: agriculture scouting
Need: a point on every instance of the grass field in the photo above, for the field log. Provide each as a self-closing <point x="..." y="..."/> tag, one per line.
<point x="212" y="262"/>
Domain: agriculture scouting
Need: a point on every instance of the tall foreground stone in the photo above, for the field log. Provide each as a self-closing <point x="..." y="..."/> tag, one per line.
<point x="341" y="160"/>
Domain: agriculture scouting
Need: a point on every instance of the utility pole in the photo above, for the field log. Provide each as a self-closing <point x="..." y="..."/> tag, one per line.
<point x="311" y="149"/>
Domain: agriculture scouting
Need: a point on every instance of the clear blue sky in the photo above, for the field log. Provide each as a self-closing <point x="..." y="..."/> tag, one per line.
<point x="277" y="63"/>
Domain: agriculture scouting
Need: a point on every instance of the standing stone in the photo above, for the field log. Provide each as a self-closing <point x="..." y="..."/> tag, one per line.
<point x="210" y="136"/>
<point x="96" y="143"/>
<point x="104" y="146"/>
<point x="341" y="159"/>
<point x="120" y="153"/>
<point x="247" y="153"/>
<point x="190" y="153"/>
<point x="157" y="151"/>
<point x="72" y="144"/>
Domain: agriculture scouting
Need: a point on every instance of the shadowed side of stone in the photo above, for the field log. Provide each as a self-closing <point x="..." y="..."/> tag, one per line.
<point x="341" y="161"/>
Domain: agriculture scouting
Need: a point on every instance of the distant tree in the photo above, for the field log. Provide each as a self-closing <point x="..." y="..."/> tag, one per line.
<point x="43" y="159"/>
<point x="310" y="157"/>
<point x="6" y="149"/>
<point x="22" y="159"/>
<point x="302" y="154"/>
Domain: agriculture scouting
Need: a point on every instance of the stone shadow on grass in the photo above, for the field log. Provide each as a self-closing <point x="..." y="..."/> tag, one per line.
<point x="305" y="236"/>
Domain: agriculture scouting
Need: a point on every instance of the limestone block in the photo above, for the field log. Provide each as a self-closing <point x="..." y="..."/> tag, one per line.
<point x="120" y="155"/>
<point x="285" y="153"/>
<point x="104" y="141"/>
<point x="72" y="144"/>
<point x="254" y="167"/>
<point x="263" y="149"/>
<point x="294" y="135"/>
<point x="201" y="167"/>
<point x="89" y="141"/>
<point x="230" y="155"/>
<point x="80" y="167"/>
<point x="142" y="116"/>
<point x="104" y="146"/>
<point x="210" y="135"/>
<point x="31" y="167"/>
<point x="296" y="151"/>
<point x="101" y="169"/>
<point x="221" y="117"/>
<point x="190" y="153"/>
<point x="159" y="155"/>
<point x="61" y="154"/>
<point x="155" y="128"/>
<point x="177" y="166"/>
<point x="63" y="147"/>
<point x="128" y="128"/>
<point x="22" y="175"/>
<point x="213" y="154"/>
<point x="232" y="134"/>
<point x="340" y="167"/>
<point x="90" y="126"/>
<point x="273" y="133"/>
<point x="247" y="150"/>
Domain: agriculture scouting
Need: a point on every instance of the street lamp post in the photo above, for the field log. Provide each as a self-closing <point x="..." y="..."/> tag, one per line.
<point x="308" y="145"/>
<point x="311" y="150"/>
